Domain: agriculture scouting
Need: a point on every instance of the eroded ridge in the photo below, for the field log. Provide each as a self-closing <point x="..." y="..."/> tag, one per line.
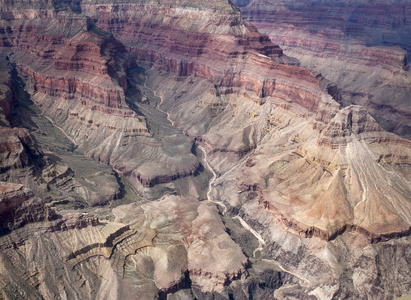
<point x="123" y="242"/>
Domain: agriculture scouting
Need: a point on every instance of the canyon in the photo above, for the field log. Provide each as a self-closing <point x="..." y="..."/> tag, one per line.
<point x="204" y="150"/>
<point x="361" y="47"/>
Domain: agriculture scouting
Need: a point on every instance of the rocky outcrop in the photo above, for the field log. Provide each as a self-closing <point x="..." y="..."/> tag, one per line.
<point x="353" y="120"/>
<point x="323" y="182"/>
<point x="308" y="257"/>
<point x="327" y="235"/>
<point x="234" y="40"/>
<point x="78" y="77"/>
<point x="72" y="221"/>
<point x="7" y="94"/>
<point x="347" y="42"/>
<point x="23" y="159"/>
<point x="314" y="180"/>
<point x="211" y="258"/>
<point x="19" y="206"/>
<point x="148" y="252"/>
<point x="113" y="242"/>
<point x="284" y="95"/>
<point x="17" y="149"/>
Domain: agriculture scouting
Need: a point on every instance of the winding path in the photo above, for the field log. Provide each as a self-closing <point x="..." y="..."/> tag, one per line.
<point x="159" y="104"/>
<point x="211" y="182"/>
<point x="61" y="129"/>
<point x="207" y="165"/>
<point x="261" y="242"/>
<point x="285" y="270"/>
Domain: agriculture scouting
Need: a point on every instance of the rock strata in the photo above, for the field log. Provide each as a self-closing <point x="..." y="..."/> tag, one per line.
<point x="249" y="176"/>
<point x="19" y="206"/>
<point x="345" y="44"/>
<point x="78" y="77"/>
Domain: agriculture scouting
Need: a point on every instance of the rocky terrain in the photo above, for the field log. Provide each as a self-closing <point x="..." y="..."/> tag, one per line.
<point x="176" y="150"/>
<point x="361" y="46"/>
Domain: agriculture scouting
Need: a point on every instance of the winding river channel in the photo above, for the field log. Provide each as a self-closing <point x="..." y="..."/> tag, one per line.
<point x="261" y="242"/>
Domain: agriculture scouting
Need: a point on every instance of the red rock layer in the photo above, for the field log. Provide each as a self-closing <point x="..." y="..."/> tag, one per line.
<point x="18" y="206"/>
<point x="77" y="74"/>
<point x="316" y="171"/>
<point x="362" y="19"/>
<point x="75" y="67"/>
<point x="231" y="55"/>
<point x="72" y="88"/>
<point x="335" y="40"/>
<point x="72" y="221"/>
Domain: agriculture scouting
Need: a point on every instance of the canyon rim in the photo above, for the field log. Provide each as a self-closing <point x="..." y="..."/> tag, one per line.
<point x="186" y="149"/>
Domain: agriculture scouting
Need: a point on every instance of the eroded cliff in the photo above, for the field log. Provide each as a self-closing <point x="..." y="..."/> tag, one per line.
<point x="248" y="176"/>
<point x="358" y="45"/>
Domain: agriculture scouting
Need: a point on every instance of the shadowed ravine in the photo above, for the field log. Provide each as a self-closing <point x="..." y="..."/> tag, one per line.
<point x="199" y="150"/>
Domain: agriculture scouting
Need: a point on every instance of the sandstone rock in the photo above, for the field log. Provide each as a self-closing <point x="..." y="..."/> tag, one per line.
<point x="19" y="206"/>
<point x="319" y="184"/>
<point x="211" y="258"/>
<point x="308" y="178"/>
<point x="23" y="160"/>
<point x="17" y="149"/>
<point x="336" y="40"/>
<point x="80" y="82"/>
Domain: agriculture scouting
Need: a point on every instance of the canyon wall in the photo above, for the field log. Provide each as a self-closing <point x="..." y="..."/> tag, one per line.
<point x="360" y="46"/>
<point x="236" y="170"/>
<point x="76" y="74"/>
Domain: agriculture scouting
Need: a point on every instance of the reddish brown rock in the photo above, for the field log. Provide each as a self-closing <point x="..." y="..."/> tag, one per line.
<point x="323" y="181"/>
<point x="17" y="149"/>
<point x="314" y="182"/>
<point x="19" y="206"/>
<point x="235" y="41"/>
<point x="347" y="42"/>
<point x="284" y="95"/>
<point x="78" y="77"/>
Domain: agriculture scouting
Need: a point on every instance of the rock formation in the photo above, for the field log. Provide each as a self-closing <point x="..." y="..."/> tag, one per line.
<point x="229" y="169"/>
<point x="19" y="206"/>
<point x="23" y="160"/>
<point x="77" y="76"/>
<point x="353" y="44"/>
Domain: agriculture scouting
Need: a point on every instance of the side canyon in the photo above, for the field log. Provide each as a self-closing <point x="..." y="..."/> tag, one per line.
<point x="205" y="150"/>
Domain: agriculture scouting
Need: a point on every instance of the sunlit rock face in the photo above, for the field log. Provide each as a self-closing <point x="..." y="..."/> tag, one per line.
<point x="77" y="75"/>
<point x="359" y="45"/>
<point x="233" y="167"/>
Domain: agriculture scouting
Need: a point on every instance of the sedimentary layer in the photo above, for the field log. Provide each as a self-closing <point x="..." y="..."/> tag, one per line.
<point x="355" y="45"/>
<point x="19" y="206"/>
<point x="317" y="187"/>
<point x="254" y="96"/>
<point x="77" y="75"/>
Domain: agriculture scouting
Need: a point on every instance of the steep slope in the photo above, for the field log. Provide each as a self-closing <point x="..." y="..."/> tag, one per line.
<point x="278" y="143"/>
<point x="301" y="180"/>
<point x="260" y="87"/>
<point x="353" y="44"/>
<point x="36" y="155"/>
<point x="76" y="74"/>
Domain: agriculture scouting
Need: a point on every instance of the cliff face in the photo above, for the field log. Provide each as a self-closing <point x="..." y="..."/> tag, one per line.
<point x="28" y="157"/>
<point x="274" y="89"/>
<point x="190" y="102"/>
<point x="232" y="58"/>
<point x="17" y="147"/>
<point x="353" y="44"/>
<point x="19" y="206"/>
<point x="77" y="75"/>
